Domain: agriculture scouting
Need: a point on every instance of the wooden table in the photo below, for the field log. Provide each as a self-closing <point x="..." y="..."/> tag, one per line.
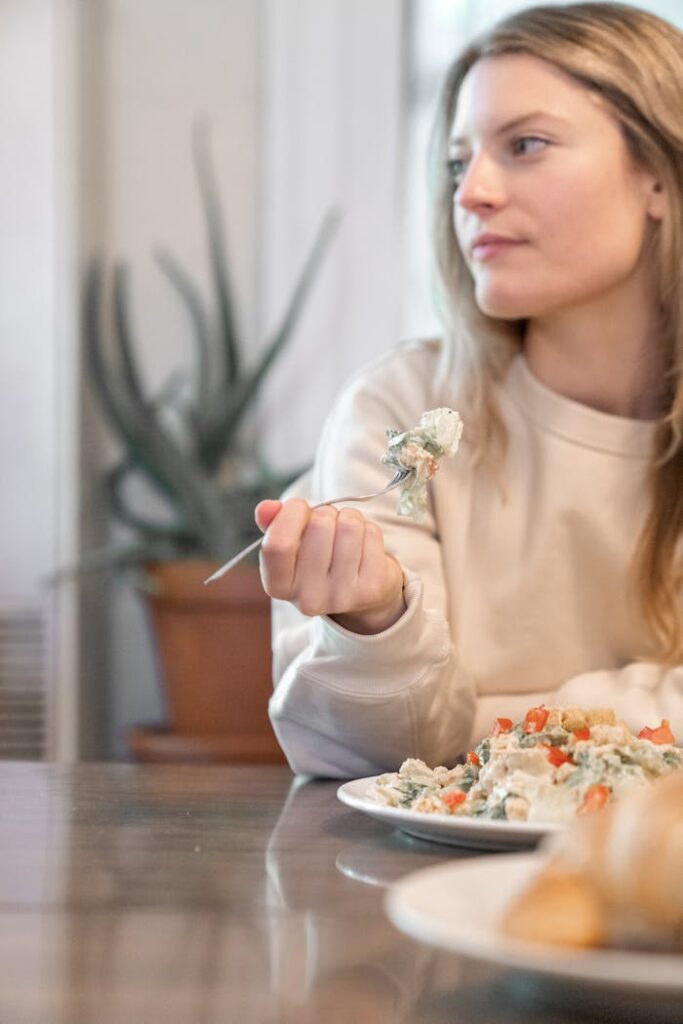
<point x="150" y="893"/>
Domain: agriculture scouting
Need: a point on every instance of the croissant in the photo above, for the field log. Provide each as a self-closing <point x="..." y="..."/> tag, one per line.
<point x="615" y="878"/>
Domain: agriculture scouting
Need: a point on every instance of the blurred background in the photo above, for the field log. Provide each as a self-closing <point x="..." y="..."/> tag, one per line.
<point x="304" y="106"/>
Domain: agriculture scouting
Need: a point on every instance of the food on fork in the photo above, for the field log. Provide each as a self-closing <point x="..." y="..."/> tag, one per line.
<point x="614" y="878"/>
<point x="420" y="449"/>
<point x="555" y="764"/>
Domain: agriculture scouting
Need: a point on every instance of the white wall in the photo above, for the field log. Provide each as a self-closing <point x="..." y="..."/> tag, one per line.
<point x="27" y="333"/>
<point x="153" y="68"/>
<point x="38" y="434"/>
<point x="332" y="119"/>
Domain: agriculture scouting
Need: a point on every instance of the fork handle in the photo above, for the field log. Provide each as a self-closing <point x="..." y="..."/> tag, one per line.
<point x="233" y="561"/>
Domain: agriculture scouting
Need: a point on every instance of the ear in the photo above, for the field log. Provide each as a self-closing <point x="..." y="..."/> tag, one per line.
<point x="657" y="203"/>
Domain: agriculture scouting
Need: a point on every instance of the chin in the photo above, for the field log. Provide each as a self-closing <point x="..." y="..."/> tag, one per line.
<point x="504" y="307"/>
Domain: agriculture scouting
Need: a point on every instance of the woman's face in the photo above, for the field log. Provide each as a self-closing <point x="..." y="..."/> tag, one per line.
<point x="549" y="210"/>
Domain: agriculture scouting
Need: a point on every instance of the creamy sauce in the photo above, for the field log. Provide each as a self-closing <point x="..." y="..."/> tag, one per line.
<point x="536" y="776"/>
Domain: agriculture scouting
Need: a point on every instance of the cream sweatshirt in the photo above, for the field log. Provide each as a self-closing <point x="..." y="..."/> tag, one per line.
<point x="513" y="598"/>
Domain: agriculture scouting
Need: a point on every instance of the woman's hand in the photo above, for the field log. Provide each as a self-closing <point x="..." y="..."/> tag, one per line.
<point x="330" y="561"/>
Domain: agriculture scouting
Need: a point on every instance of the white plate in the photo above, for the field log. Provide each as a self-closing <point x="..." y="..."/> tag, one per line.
<point x="457" y="906"/>
<point x="475" y="833"/>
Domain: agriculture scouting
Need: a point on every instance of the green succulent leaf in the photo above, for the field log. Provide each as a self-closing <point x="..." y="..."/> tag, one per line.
<point x="196" y="497"/>
<point x="114" y="486"/>
<point x="191" y="297"/>
<point x="211" y="209"/>
<point x="227" y="420"/>
<point x="129" y="371"/>
<point x="177" y="440"/>
<point x="115" y="558"/>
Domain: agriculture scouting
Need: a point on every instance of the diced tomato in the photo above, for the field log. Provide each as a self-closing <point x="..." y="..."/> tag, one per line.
<point x="582" y="734"/>
<point x="501" y="725"/>
<point x="555" y="755"/>
<point x="473" y="758"/>
<point x="453" y="798"/>
<point x="594" y="798"/>
<point x="535" y="719"/>
<point x="662" y="734"/>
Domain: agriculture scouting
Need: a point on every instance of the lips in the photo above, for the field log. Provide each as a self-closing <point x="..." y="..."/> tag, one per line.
<point x="486" y="246"/>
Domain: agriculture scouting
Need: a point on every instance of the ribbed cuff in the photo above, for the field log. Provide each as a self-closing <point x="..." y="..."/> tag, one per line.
<point x="386" y="662"/>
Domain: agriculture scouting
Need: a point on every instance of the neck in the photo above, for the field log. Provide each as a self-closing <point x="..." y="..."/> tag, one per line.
<point x="604" y="355"/>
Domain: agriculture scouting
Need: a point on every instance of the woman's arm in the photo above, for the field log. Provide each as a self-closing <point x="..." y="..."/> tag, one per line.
<point x="349" y="705"/>
<point x="353" y="702"/>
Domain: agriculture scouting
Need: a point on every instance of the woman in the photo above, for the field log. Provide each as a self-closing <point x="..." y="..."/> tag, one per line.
<point x="549" y="567"/>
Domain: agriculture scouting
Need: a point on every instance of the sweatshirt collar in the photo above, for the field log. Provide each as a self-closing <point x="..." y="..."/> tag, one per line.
<point x="573" y="421"/>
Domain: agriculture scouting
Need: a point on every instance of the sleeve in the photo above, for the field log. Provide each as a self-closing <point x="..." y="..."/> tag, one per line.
<point x="641" y="693"/>
<point x="348" y="705"/>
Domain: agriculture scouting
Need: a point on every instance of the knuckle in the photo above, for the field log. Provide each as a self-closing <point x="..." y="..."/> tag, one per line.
<point x="273" y="586"/>
<point x="351" y="516"/>
<point x="275" y="549"/>
<point x="350" y="526"/>
<point x="325" y="514"/>
<point x="296" y="504"/>
<point x="310" y="605"/>
<point x="373" y="532"/>
<point x="293" y="515"/>
<point x="271" y="589"/>
<point x="319" y="525"/>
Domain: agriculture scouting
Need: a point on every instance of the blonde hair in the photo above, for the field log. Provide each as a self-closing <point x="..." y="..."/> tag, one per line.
<point x="634" y="61"/>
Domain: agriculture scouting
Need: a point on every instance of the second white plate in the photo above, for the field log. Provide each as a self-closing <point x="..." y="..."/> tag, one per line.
<point x="458" y="905"/>
<point x="474" y="833"/>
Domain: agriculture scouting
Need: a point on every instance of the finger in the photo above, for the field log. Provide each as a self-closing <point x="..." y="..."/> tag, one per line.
<point x="346" y="558"/>
<point x="265" y="512"/>
<point x="376" y="568"/>
<point x="311" y="578"/>
<point x="281" y="546"/>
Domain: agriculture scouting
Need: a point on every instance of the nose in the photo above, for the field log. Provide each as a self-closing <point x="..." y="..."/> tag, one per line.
<point x="481" y="186"/>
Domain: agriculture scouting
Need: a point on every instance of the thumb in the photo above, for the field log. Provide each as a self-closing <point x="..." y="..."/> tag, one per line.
<point x="265" y="512"/>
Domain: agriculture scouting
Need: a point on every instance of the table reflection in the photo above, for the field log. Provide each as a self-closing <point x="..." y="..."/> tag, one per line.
<point x="215" y="894"/>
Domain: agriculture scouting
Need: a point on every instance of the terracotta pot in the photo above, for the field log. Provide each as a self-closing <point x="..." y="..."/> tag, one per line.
<point x="154" y="743"/>
<point x="213" y="647"/>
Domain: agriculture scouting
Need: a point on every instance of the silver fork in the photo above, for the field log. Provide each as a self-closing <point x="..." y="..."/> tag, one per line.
<point x="398" y="479"/>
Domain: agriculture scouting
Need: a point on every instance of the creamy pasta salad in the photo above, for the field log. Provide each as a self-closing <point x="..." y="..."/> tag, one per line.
<point x="556" y="763"/>
<point x="420" y="449"/>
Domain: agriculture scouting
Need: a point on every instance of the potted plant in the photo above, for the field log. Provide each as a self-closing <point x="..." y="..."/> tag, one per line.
<point x="188" y="444"/>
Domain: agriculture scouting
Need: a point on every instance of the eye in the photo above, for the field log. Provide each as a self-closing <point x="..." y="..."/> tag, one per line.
<point x="456" y="168"/>
<point x="528" y="145"/>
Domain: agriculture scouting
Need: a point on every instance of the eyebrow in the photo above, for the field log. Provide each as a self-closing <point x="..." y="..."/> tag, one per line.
<point x="514" y="123"/>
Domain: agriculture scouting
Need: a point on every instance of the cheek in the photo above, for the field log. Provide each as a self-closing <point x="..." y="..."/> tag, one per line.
<point x="599" y="242"/>
<point x="457" y="222"/>
<point x="599" y="220"/>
